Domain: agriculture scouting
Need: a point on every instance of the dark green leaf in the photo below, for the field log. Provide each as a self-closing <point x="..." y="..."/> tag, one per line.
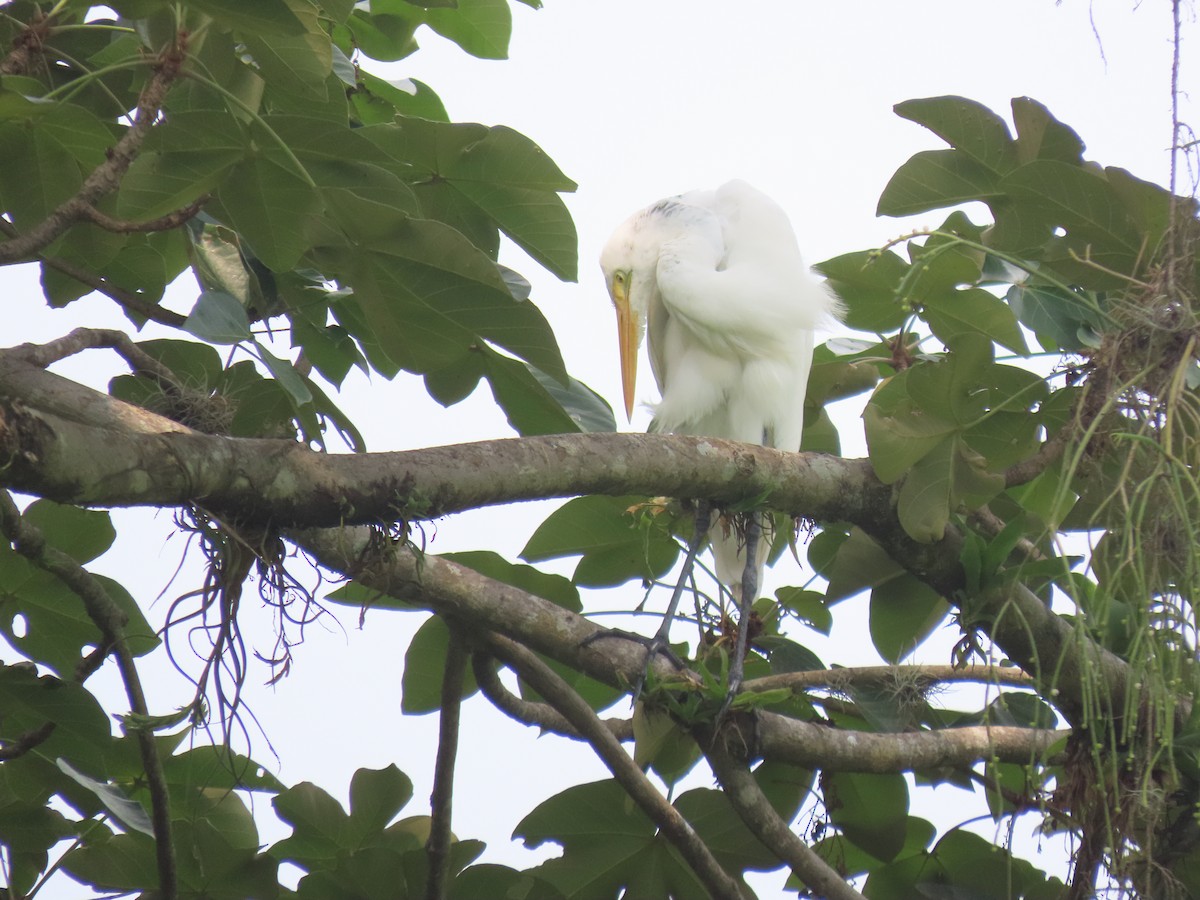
<point x="904" y="612"/>
<point x="424" y="669"/>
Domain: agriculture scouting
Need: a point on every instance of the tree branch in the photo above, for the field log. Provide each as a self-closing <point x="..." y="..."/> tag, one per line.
<point x="50" y="447"/>
<point x="768" y="826"/>
<point x="581" y="716"/>
<point x="441" y="802"/>
<point x="28" y="541"/>
<point x="528" y="712"/>
<point x="171" y="220"/>
<point x="927" y="676"/>
<point x="455" y="591"/>
<point x="106" y="177"/>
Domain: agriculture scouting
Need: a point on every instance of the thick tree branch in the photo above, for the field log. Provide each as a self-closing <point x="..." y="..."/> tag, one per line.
<point x="767" y="825"/>
<point x="581" y="716"/>
<point x="50" y="446"/>
<point x="28" y="541"/>
<point x="463" y="594"/>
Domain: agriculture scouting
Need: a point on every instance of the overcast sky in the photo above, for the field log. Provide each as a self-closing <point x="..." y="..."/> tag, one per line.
<point x="636" y="100"/>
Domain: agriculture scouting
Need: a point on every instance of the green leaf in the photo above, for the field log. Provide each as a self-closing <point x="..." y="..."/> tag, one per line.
<point x="1054" y="315"/>
<point x="1079" y="200"/>
<point x="376" y="798"/>
<point x="555" y="588"/>
<point x="429" y="296"/>
<point x="285" y="373"/>
<point x="83" y="534"/>
<point x="900" y="432"/>
<point x="377" y="101"/>
<point x="614" y="846"/>
<point x="481" y="27"/>
<point x="270" y="206"/>
<point x="808" y="606"/>
<point x="973" y="311"/>
<point x="218" y="317"/>
<point x="38" y="174"/>
<point x="274" y="17"/>
<point x="128" y="812"/>
<point x="869" y="285"/>
<point x="661" y="744"/>
<point x="935" y="179"/>
<point x="967" y="126"/>
<point x="869" y="809"/>
<point x="1041" y="136"/>
<point x="600" y="530"/>
<point x="527" y="403"/>
<point x="424" y="669"/>
<point x="904" y="612"/>
<point x="320" y="827"/>
<point x="859" y="563"/>
<point x="81" y="732"/>
<point x="297" y="63"/>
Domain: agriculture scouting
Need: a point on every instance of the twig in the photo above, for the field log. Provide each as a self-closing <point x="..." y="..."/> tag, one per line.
<point x="441" y="801"/>
<point x="26" y="742"/>
<point x="171" y="220"/>
<point x="80" y="339"/>
<point x="28" y="541"/>
<point x="573" y="707"/>
<point x="840" y="678"/>
<point x="529" y="712"/>
<point x="130" y="300"/>
<point x="768" y="826"/>
<point x="106" y="177"/>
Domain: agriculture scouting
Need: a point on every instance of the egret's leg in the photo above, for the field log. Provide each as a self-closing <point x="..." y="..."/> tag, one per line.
<point x="661" y="643"/>
<point x="749" y="592"/>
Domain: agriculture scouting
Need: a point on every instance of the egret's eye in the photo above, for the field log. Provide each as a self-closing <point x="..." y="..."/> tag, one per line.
<point x="619" y="279"/>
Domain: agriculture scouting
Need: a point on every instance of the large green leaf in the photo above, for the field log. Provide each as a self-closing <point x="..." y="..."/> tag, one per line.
<point x="424" y="669"/>
<point x="601" y="530"/>
<point x="428" y="296"/>
<point x="1078" y="199"/>
<point x="869" y="285"/>
<point x="967" y="126"/>
<point x="82" y="731"/>
<point x="613" y="846"/>
<point x="934" y="179"/>
<point x="498" y="173"/>
<point x="274" y="17"/>
<point x="481" y="27"/>
<point x="904" y="612"/>
<point x="271" y="206"/>
<point x="869" y="809"/>
<point x="298" y="63"/>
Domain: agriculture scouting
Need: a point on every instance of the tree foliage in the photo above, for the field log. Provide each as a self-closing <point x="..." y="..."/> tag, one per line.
<point x="1029" y="371"/>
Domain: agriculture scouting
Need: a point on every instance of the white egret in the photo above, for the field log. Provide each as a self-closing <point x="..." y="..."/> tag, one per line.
<point x="717" y="280"/>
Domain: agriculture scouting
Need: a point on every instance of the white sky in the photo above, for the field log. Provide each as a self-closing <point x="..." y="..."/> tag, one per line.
<point x="636" y="100"/>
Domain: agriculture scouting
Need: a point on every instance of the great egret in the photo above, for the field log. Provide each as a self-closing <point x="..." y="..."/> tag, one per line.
<point x="717" y="280"/>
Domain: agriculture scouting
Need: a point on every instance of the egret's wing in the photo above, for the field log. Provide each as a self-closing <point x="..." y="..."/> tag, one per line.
<point x="656" y="340"/>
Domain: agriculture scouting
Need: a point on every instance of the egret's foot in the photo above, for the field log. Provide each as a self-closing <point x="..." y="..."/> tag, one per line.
<point x="655" y="646"/>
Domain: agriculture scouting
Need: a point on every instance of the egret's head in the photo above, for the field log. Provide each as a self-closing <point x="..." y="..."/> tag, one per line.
<point x="628" y="261"/>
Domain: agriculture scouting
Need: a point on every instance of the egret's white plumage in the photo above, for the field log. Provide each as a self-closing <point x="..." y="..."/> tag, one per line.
<point x="717" y="281"/>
